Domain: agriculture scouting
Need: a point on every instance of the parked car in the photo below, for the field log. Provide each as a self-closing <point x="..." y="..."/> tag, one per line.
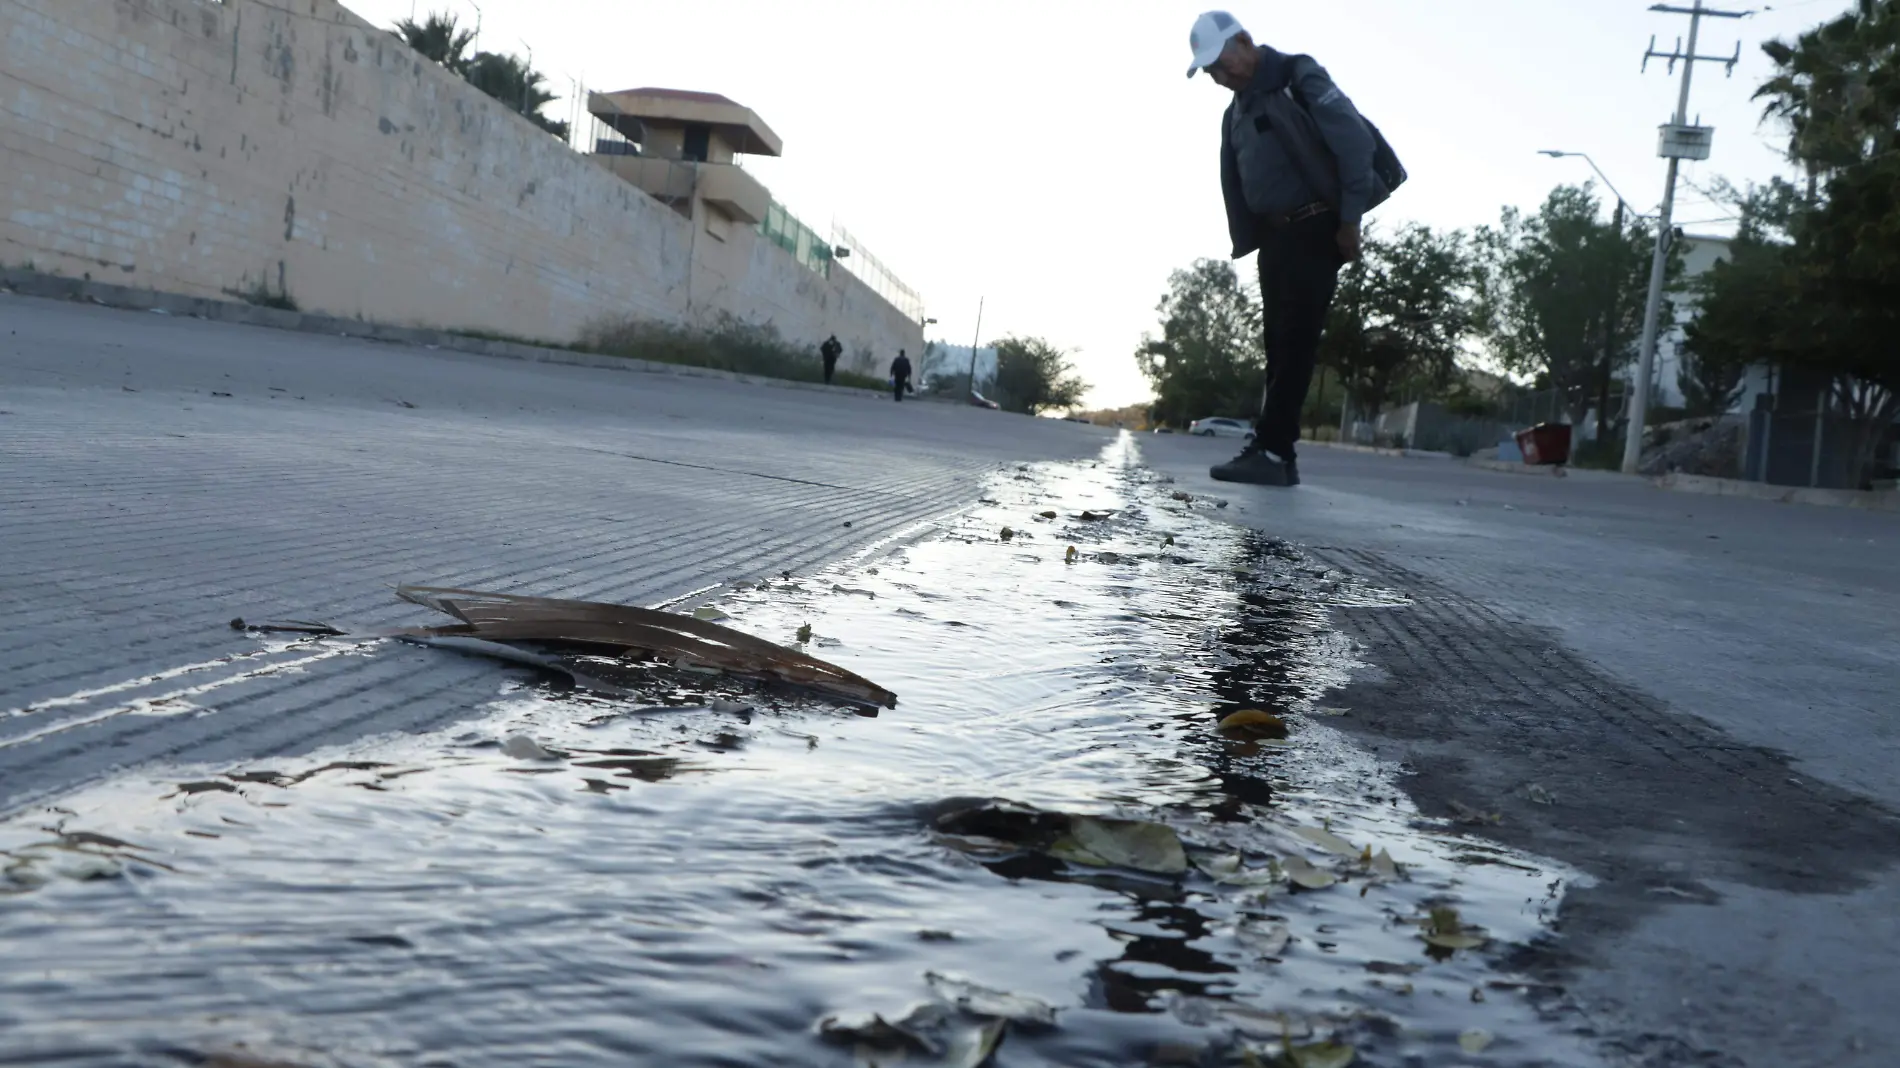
<point x="1220" y="427"/>
<point x="978" y="400"/>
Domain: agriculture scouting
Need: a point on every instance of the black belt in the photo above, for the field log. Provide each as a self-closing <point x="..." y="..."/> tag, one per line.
<point x="1313" y="210"/>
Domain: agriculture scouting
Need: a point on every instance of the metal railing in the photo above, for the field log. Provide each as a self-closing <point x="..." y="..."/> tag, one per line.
<point x="877" y="277"/>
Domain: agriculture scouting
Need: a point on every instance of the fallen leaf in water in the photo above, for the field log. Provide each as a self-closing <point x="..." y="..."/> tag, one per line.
<point x="853" y="591"/>
<point x="1095" y="517"/>
<point x="1465" y="814"/>
<point x="1331" y="711"/>
<point x="1476" y="1040"/>
<point x="624" y="630"/>
<point x="1383" y="867"/>
<point x="804" y="633"/>
<point x="1380" y="967"/>
<point x="1304" y="874"/>
<point x="1266" y="939"/>
<point x="1253" y="723"/>
<point x="709" y="614"/>
<point x="1008" y="533"/>
<point x="1070" y="556"/>
<point x="522" y="747"/>
<point x="288" y="626"/>
<point x="983" y="1001"/>
<point x="1328" y="841"/>
<point x="720" y="704"/>
<point x="1324" y="1055"/>
<point x="1536" y="792"/>
<point x="1182" y="495"/>
<point x="1138" y="844"/>
<point x="1455" y="941"/>
<point x="1049" y="514"/>
<point x="932" y="1028"/>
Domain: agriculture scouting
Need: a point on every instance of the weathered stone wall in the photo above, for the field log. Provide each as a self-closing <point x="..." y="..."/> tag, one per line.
<point x="290" y="148"/>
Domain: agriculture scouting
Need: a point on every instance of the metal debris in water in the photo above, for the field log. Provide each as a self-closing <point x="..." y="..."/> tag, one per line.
<point x="622" y="631"/>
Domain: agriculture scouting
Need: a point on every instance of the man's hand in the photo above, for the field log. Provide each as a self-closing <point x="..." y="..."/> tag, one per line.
<point x="1351" y="241"/>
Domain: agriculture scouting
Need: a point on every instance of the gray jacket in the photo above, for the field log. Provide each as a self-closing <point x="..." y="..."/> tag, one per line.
<point x="1260" y="178"/>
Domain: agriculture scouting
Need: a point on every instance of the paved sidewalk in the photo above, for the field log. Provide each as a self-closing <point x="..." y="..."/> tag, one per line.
<point x="1691" y="698"/>
<point x="159" y="476"/>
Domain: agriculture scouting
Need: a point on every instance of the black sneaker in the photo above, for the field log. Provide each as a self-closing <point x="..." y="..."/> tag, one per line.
<point x="1259" y="468"/>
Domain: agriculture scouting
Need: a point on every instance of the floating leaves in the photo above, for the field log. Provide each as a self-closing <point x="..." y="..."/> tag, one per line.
<point x="1322" y="1055"/>
<point x="1444" y="929"/>
<point x="1328" y="841"/>
<point x="984" y="1001"/>
<point x="1091" y="841"/>
<point x="1052" y="514"/>
<point x="1253" y="723"/>
<point x="522" y="747"/>
<point x="1476" y="1040"/>
<point x="1070" y="556"/>
<point x="1304" y="874"/>
<point x="804" y="634"/>
<point x="1008" y="533"/>
<point x="1262" y="937"/>
<point x="709" y="614"/>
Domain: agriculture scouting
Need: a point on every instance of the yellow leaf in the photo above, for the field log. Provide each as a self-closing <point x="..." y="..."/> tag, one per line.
<point x="1455" y="941"/>
<point x="804" y="633"/>
<point x="1253" y="723"/>
<point x="1137" y="844"/>
<point x="709" y="614"/>
<point x="1475" y="1040"/>
<point x="1072" y="554"/>
<point x="1324" y="1055"/>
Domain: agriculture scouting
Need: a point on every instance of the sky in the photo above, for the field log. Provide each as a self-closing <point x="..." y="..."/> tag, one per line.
<point x="1049" y="159"/>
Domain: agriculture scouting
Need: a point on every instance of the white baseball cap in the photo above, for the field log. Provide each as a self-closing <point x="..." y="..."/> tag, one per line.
<point x="1211" y="33"/>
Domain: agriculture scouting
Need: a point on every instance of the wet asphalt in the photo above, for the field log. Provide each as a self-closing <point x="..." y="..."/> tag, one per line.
<point x="1687" y="699"/>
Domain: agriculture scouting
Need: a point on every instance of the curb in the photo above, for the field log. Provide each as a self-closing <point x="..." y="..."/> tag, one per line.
<point x="27" y="283"/>
<point x="1868" y="500"/>
<point x="1374" y="450"/>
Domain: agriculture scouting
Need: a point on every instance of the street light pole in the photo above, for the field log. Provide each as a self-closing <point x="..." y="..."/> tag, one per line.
<point x="974" y="340"/>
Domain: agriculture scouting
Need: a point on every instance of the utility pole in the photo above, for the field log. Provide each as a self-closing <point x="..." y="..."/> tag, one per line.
<point x="974" y="340"/>
<point x="1678" y="141"/>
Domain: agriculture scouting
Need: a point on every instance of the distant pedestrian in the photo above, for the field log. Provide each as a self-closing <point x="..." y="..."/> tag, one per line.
<point x="900" y="376"/>
<point x="829" y="352"/>
<point x="1299" y="168"/>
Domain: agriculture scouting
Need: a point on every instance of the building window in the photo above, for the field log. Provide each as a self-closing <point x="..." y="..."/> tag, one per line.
<point x="697" y="144"/>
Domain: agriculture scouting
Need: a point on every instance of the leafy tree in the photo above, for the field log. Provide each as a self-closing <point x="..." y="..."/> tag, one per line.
<point x="1402" y="314"/>
<point x="1034" y="376"/>
<point x="1564" y="294"/>
<point x="1814" y="281"/>
<point x="438" y="37"/>
<point x="1208" y="359"/>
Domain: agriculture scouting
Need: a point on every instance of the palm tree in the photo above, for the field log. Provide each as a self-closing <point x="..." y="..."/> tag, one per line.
<point x="512" y="81"/>
<point x="1837" y="87"/>
<point x="439" y="37"/>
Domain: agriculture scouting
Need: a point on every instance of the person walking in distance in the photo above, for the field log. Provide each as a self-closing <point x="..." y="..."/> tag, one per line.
<point x="1297" y="168"/>
<point x="900" y="376"/>
<point x="829" y="352"/>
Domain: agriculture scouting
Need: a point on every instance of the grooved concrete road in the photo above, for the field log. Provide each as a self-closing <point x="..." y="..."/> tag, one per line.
<point x="1690" y="698"/>
<point x="160" y="476"/>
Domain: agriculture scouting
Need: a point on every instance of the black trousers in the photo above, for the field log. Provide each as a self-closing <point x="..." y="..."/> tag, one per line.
<point x="831" y="367"/>
<point x="1299" y="273"/>
<point x="900" y="386"/>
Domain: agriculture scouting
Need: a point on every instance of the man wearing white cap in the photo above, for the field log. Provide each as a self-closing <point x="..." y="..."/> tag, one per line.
<point x="1297" y="171"/>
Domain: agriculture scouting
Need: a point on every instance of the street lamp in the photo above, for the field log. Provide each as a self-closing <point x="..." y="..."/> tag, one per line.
<point x="1611" y="186"/>
<point x="1609" y="319"/>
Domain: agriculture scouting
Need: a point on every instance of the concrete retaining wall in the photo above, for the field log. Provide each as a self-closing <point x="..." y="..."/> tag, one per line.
<point x="245" y="148"/>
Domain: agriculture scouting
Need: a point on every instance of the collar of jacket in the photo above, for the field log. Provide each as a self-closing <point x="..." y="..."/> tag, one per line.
<point x="1273" y="73"/>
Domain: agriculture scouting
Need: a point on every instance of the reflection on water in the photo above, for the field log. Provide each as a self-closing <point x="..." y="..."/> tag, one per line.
<point x="700" y="876"/>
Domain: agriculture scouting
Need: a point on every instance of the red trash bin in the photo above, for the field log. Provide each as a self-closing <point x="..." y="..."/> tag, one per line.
<point x="1545" y="443"/>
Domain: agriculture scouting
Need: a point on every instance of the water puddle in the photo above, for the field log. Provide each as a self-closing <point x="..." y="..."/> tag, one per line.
<point x="715" y="875"/>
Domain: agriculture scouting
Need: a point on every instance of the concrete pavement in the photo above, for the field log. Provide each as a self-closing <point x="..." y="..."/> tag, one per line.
<point x="159" y="476"/>
<point x="1691" y="698"/>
